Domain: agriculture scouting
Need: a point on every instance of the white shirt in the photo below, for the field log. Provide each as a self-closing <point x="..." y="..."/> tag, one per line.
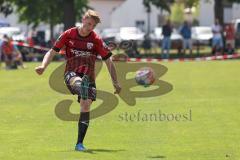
<point x="217" y="31"/>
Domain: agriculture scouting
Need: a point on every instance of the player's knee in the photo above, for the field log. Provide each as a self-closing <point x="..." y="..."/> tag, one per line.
<point x="74" y="80"/>
<point x="70" y="78"/>
<point x="75" y="84"/>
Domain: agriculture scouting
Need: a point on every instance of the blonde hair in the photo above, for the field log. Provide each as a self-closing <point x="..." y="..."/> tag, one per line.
<point x="92" y="14"/>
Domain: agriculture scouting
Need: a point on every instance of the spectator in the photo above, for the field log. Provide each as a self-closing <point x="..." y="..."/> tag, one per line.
<point x="186" y="33"/>
<point x="12" y="56"/>
<point x="166" y="42"/>
<point x="7" y="51"/>
<point x="147" y="44"/>
<point x="230" y="38"/>
<point x="217" y="41"/>
<point x="1" y="55"/>
<point x="17" y="57"/>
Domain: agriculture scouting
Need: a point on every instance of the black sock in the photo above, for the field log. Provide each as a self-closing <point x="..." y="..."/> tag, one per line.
<point x="82" y="126"/>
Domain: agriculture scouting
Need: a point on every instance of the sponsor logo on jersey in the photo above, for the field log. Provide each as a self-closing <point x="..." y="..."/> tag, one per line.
<point x="89" y="45"/>
<point x="71" y="42"/>
<point x="78" y="53"/>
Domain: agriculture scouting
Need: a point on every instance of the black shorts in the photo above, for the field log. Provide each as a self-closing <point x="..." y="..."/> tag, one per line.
<point x="92" y="92"/>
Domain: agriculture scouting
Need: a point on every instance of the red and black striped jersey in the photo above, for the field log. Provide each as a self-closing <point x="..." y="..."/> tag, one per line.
<point x="81" y="52"/>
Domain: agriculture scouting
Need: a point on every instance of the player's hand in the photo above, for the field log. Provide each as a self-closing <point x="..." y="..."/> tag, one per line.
<point x="117" y="88"/>
<point x="39" y="70"/>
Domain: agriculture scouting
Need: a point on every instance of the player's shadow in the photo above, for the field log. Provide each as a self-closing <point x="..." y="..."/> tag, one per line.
<point x="157" y="157"/>
<point x="95" y="151"/>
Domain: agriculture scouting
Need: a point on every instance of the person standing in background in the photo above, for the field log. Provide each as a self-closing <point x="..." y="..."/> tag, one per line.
<point x="166" y="42"/>
<point x="217" y="40"/>
<point x="230" y="38"/>
<point x="186" y="33"/>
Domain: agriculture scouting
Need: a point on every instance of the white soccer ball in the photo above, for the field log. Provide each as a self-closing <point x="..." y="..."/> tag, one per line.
<point x="145" y="76"/>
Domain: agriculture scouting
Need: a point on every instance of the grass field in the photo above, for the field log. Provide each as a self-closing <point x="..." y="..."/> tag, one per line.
<point x="30" y="130"/>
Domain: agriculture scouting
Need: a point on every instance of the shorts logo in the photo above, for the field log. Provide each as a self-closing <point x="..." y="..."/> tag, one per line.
<point x="89" y="45"/>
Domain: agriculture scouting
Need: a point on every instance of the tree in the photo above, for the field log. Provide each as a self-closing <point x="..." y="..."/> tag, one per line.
<point x="163" y="4"/>
<point x="219" y="8"/>
<point x="73" y="9"/>
<point x="5" y="7"/>
<point x="51" y="12"/>
<point x="34" y="12"/>
<point x="218" y="11"/>
<point x="190" y="3"/>
<point x="177" y="15"/>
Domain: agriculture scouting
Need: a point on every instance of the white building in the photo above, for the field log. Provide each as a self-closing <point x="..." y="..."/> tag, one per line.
<point x="206" y="13"/>
<point x="133" y="13"/>
<point x="114" y="13"/>
<point x="105" y="8"/>
<point x="206" y="16"/>
<point x="126" y="13"/>
<point x="119" y="13"/>
<point x="12" y="19"/>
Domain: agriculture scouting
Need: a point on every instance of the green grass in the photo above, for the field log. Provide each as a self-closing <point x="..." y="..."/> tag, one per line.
<point x="29" y="128"/>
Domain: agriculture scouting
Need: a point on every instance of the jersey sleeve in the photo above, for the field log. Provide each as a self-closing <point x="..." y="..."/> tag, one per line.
<point x="60" y="42"/>
<point x="102" y="49"/>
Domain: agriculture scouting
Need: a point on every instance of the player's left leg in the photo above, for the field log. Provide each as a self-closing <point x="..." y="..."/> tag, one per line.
<point x="83" y="123"/>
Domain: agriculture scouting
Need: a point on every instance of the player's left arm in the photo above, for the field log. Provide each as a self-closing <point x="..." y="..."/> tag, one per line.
<point x="103" y="50"/>
<point x="113" y="73"/>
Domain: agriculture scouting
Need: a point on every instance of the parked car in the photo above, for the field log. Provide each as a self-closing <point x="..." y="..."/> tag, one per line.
<point x="202" y="35"/>
<point x="14" y="32"/>
<point x="236" y="24"/>
<point x="109" y="34"/>
<point x="3" y="23"/>
<point x="176" y="38"/>
<point x="130" y="33"/>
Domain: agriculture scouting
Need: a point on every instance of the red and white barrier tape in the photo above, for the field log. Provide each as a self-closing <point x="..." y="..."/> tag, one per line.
<point x="31" y="46"/>
<point x="210" y="58"/>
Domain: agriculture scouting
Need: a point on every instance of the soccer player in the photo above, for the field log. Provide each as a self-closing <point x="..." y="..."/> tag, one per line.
<point x="82" y="47"/>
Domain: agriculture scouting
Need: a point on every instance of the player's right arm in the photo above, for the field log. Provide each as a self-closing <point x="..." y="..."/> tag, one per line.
<point x="52" y="52"/>
<point x="46" y="60"/>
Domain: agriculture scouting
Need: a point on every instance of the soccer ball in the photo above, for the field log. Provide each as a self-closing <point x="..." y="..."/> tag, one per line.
<point x="145" y="76"/>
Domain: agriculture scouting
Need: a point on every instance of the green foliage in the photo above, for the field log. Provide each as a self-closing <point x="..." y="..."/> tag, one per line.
<point x="6" y="7"/>
<point x="163" y="4"/>
<point x="236" y="1"/>
<point x="177" y="15"/>
<point x="80" y="7"/>
<point x="37" y="11"/>
<point x="191" y="3"/>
